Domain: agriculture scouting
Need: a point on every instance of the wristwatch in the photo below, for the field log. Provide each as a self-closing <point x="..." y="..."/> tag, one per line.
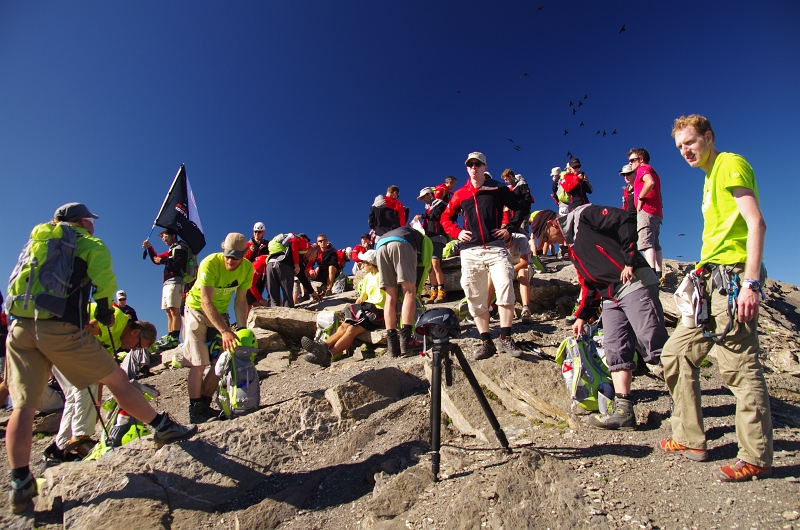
<point x="753" y="285"/>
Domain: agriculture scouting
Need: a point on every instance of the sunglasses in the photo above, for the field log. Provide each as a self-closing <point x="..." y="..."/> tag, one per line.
<point x="322" y="240"/>
<point x="474" y="164"/>
<point x="634" y="159"/>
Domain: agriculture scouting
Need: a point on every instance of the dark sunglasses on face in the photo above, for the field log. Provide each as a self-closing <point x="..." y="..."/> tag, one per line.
<point x="474" y="164"/>
<point x="634" y="159"/>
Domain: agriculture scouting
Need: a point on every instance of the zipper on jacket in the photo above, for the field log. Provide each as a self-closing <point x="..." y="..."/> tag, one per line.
<point x="478" y="214"/>
<point x="612" y="260"/>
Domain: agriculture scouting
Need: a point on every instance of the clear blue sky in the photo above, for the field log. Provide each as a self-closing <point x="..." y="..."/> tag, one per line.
<point x="298" y="113"/>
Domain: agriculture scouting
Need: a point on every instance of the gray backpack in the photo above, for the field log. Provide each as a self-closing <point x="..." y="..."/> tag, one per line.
<point x="239" y="391"/>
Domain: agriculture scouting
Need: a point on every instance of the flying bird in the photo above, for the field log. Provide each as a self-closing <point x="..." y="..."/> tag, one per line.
<point x="525" y="74"/>
<point x="510" y="140"/>
<point x="574" y="111"/>
<point x="569" y="154"/>
<point x="458" y="91"/>
<point x="581" y="124"/>
<point x="539" y="8"/>
<point x="566" y="132"/>
<point x="613" y="133"/>
<point x="680" y="256"/>
<point x="580" y="103"/>
<point x="622" y="28"/>
<point x="517" y="148"/>
<point x="681" y="235"/>
<point x="598" y="132"/>
<point x="604" y="133"/>
<point x="570" y="103"/>
<point x="586" y="96"/>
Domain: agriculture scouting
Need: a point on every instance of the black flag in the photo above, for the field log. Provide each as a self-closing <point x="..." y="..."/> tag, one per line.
<point x="179" y="213"/>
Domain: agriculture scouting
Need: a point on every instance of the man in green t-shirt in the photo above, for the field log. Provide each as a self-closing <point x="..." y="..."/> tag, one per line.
<point x="733" y="245"/>
<point x="220" y="275"/>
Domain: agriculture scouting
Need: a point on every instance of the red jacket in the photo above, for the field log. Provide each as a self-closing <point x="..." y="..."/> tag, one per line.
<point x="442" y="192"/>
<point x="397" y="206"/>
<point x="259" y="277"/>
<point x="482" y="210"/>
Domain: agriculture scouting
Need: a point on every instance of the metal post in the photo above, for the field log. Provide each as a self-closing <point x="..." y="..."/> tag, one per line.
<point x="436" y="409"/>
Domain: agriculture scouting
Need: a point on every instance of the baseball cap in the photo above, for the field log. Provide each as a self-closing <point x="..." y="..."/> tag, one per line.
<point x="121" y="295"/>
<point x="574" y="163"/>
<point x="475" y="155"/>
<point x="627" y="168"/>
<point x="234" y="245"/>
<point x="73" y="212"/>
<point x="369" y="256"/>
<point x="555" y="171"/>
<point x="423" y="192"/>
<point x="365" y="236"/>
<point x="259" y="226"/>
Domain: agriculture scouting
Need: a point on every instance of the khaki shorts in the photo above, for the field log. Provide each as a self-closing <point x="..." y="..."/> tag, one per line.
<point x="195" y="349"/>
<point x="397" y="263"/>
<point x="171" y="295"/>
<point x="649" y="226"/>
<point x="477" y="264"/>
<point x="59" y="343"/>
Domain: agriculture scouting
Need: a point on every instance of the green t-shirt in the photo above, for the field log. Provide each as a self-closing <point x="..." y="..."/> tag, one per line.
<point x="212" y="273"/>
<point x="725" y="230"/>
<point x="120" y="322"/>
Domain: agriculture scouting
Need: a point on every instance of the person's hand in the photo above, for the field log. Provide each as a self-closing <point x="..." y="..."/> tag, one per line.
<point x="577" y="327"/>
<point x="639" y="205"/>
<point x="417" y="217"/>
<point x="157" y="260"/>
<point x="229" y="340"/>
<point x="317" y="297"/>
<point x="627" y="274"/>
<point x="93" y="327"/>
<point x="747" y="305"/>
<point x="296" y="269"/>
<point x="500" y="233"/>
<point x="147" y="244"/>
<point x="464" y="235"/>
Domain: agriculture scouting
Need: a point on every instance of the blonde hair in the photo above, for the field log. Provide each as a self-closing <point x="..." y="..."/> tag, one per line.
<point x="700" y="124"/>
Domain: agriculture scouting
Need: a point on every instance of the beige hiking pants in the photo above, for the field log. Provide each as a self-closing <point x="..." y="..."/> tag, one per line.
<point x="740" y="369"/>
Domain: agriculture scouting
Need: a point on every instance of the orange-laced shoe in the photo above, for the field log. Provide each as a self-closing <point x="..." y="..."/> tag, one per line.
<point x="671" y="447"/>
<point x="741" y="470"/>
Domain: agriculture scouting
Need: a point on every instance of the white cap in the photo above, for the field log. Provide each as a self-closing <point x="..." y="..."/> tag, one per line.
<point x="369" y="256"/>
<point x="555" y="171"/>
<point x="348" y="251"/>
<point x="259" y="226"/>
<point x="121" y="295"/>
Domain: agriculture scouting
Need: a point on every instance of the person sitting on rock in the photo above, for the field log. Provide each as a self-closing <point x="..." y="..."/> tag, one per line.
<point x="366" y="244"/>
<point x="366" y="314"/>
<point x="325" y="268"/>
<point x="607" y="262"/>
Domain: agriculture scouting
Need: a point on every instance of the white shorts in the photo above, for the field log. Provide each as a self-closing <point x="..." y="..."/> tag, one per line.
<point x="477" y="264"/>
<point x="171" y="295"/>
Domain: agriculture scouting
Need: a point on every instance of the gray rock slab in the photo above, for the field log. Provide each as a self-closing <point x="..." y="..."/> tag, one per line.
<point x="275" y="362"/>
<point x="370" y="391"/>
<point x="292" y="323"/>
<point x="269" y="340"/>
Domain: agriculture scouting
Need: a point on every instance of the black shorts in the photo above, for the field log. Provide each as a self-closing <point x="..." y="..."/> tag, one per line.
<point x="438" y="248"/>
<point x="322" y="273"/>
<point x="365" y="315"/>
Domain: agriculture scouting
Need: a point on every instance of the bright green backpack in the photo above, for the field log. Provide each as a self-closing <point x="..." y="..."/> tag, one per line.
<point x="278" y="243"/>
<point x="40" y="282"/>
<point x="585" y="375"/>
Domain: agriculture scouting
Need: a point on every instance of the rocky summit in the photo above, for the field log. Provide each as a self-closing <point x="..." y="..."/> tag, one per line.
<point x="348" y="446"/>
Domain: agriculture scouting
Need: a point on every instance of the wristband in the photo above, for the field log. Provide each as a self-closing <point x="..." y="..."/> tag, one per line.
<point x="753" y="285"/>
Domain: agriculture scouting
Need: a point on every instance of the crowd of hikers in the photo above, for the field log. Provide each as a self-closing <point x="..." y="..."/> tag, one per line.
<point x="67" y="320"/>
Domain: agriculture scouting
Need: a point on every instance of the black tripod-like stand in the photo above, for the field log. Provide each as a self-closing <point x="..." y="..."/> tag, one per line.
<point x="442" y="349"/>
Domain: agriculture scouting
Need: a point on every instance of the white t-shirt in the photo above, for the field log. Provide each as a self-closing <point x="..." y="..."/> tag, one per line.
<point x="519" y="247"/>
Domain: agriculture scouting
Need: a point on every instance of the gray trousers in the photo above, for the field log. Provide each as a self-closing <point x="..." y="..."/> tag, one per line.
<point x="636" y="319"/>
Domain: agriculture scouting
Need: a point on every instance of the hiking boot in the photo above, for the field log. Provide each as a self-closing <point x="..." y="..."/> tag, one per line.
<point x="82" y="445"/>
<point x="393" y="343"/>
<point x="21" y="493"/>
<point x="486" y="350"/>
<point x="671" y="447"/>
<point x="53" y="455"/>
<point x="317" y="352"/>
<point x="441" y="297"/>
<point x="526" y="316"/>
<point x="200" y="413"/>
<point x="408" y="344"/>
<point x="508" y="346"/>
<point x="621" y="417"/>
<point x="170" y="431"/>
<point x="740" y="471"/>
<point x="167" y="342"/>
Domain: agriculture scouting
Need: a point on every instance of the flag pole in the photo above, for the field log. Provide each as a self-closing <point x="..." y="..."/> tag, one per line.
<point x="163" y="204"/>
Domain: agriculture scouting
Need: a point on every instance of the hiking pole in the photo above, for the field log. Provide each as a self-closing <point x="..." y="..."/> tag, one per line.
<point x="99" y="412"/>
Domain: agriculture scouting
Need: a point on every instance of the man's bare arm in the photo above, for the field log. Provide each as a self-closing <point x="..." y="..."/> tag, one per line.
<point x="210" y="311"/>
<point x="756" y="230"/>
<point x="240" y="308"/>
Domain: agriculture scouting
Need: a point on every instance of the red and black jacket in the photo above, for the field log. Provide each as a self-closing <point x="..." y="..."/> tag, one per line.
<point x="482" y="210"/>
<point x="602" y="241"/>
<point x="174" y="260"/>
